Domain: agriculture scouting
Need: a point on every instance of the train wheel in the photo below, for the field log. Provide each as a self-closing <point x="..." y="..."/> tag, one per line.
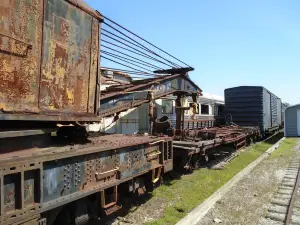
<point x="81" y="213"/>
<point x="196" y="162"/>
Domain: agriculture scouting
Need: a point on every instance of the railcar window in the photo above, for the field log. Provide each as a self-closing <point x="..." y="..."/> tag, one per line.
<point x="220" y="109"/>
<point x="167" y="107"/>
<point x="204" y="109"/>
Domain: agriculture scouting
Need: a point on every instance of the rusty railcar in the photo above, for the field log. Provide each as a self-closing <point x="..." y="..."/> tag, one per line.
<point x="49" y="60"/>
<point x="70" y="184"/>
<point x="49" y="74"/>
<point x="199" y="140"/>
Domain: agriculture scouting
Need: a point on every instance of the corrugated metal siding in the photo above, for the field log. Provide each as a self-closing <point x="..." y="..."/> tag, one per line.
<point x="290" y="125"/>
<point x="274" y="110"/>
<point x="245" y="104"/>
<point x="267" y="109"/>
<point x="279" y="112"/>
<point x="253" y="106"/>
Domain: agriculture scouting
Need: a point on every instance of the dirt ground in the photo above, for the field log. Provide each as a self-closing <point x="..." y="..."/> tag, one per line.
<point x="248" y="201"/>
<point x="141" y="211"/>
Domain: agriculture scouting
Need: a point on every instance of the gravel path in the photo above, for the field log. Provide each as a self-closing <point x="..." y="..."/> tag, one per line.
<point x="249" y="200"/>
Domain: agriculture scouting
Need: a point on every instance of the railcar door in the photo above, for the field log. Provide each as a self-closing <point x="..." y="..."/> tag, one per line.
<point x="70" y="54"/>
<point x="267" y="110"/>
<point x="298" y="122"/>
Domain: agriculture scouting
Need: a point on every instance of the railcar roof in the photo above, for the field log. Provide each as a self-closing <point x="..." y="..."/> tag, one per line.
<point x="84" y="6"/>
<point x="138" y="84"/>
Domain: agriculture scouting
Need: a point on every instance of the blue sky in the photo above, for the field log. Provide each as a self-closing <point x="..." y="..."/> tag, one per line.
<point x="228" y="42"/>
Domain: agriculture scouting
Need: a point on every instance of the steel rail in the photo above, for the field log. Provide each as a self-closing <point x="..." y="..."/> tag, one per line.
<point x="288" y="219"/>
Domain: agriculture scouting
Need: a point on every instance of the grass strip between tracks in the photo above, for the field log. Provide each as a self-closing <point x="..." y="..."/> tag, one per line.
<point x="184" y="194"/>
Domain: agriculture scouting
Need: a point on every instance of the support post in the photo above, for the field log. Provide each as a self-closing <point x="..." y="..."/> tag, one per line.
<point x="150" y="97"/>
<point x="194" y="106"/>
<point x="178" y="111"/>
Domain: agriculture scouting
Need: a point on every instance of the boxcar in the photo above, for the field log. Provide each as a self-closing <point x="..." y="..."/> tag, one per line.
<point x="254" y="106"/>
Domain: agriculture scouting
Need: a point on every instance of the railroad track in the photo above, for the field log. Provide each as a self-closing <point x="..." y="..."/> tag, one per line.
<point x="286" y="202"/>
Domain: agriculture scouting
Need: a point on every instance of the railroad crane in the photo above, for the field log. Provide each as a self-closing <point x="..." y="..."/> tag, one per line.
<point x="51" y="172"/>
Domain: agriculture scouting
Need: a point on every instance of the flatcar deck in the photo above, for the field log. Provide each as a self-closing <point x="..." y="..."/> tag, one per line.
<point x="94" y="144"/>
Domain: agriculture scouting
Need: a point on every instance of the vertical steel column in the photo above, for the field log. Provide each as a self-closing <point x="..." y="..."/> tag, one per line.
<point x="150" y="97"/>
<point x="178" y="113"/>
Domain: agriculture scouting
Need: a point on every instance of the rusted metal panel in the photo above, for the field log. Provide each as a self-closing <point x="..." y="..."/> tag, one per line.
<point x="37" y="179"/>
<point x="66" y="58"/>
<point x="20" y="51"/>
<point x="67" y="176"/>
<point x="49" y="55"/>
<point x="94" y="66"/>
<point x="133" y="161"/>
<point x="62" y="178"/>
<point x="31" y="188"/>
<point x="12" y="192"/>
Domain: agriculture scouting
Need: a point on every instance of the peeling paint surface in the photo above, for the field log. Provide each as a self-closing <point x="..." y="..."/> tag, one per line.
<point x="20" y="49"/>
<point x="66" y="58"/>
<point x="68" y="176"/>
<point x="29" y="187"/>
<point x="48" y="57"/>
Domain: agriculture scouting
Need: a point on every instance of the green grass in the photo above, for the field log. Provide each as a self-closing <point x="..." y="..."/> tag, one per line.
<point x="285" y="150"/>
<point x="189" y="191"/>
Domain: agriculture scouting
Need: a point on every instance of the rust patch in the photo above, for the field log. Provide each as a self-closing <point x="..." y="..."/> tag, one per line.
<point x="94" y="65"/>
<point x="20" y="47"/>
<point x="67" y="58"/>
<point x="78" y="93"/>
<point x="61" y="77"/>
